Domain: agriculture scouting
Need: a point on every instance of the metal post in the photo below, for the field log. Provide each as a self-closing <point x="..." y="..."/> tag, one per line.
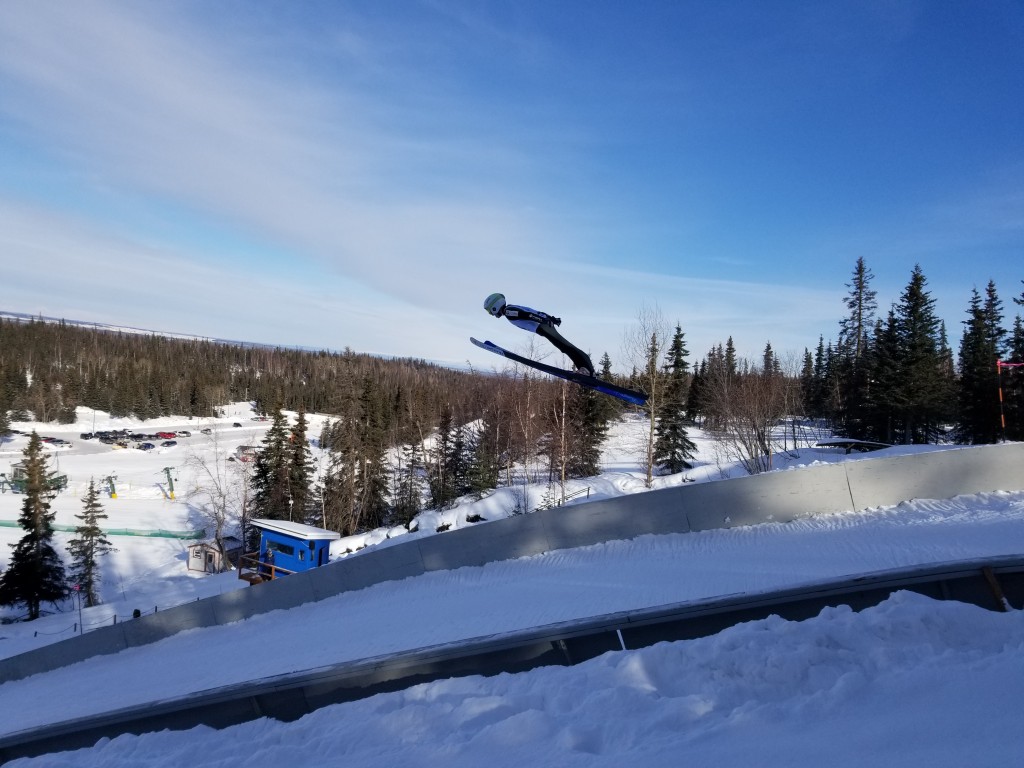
<point x="78" y="591"/>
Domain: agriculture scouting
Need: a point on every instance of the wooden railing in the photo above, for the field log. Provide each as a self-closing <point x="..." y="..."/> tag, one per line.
<point x="254" y="570"/>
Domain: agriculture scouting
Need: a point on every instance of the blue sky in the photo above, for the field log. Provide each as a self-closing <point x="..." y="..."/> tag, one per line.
<point x="363" y="174"/>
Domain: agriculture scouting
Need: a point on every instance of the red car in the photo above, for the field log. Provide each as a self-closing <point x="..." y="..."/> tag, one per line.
<point x="166" y="435"/>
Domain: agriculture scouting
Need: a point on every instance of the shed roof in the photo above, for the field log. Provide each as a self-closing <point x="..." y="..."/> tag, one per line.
<point x="296" y="530"/>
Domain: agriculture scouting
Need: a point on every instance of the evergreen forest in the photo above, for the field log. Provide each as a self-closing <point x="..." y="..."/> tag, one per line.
<point x="891" y="376"/>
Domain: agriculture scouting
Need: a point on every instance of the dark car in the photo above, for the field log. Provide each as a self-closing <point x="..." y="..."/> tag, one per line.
<point x="146" y="446"/>
<point x="169" y="443"/>
<point x="236" y="424"/>
<point x="87" y="436"/>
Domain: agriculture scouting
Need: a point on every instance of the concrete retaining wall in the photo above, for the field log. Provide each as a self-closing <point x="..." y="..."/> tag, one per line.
<point x="778" y="497"/>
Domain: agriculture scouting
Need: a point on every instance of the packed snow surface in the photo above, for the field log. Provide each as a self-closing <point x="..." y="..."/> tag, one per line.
<point x="911" y="682"/>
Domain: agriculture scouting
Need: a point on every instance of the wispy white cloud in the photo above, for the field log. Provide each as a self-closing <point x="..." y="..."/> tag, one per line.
<point x="147" y="105"/>
<point x="401" y="196"/>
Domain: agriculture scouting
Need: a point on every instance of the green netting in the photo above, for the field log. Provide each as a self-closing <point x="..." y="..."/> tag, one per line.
<point x="158" y="533"/>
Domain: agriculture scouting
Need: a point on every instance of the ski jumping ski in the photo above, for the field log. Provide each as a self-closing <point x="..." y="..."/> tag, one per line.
<point x="590" y="382"/>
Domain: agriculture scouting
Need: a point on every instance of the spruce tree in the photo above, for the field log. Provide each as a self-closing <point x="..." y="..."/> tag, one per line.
<point x="89" y="545"/>
<point x="610" y="408"/>
<point x="486" y="462"/>
<point x="372" y="508"/>
<point x="338" y="487"/>
<point x="408" y="485"/>
<point x="673" y="449"/>
<point x="807" y="383"/>
<point x="978" y="389"/>
<point x="1012" y="384"/>
<point x="440" y="482"/>
<point x="861" y="304"/>
<point x="36" y="573"/>
<point x="696" y="398"/>
<point x="300" y="470"/>
<point x="923" y="391"/>
<point x="270" y="475"/>
<point x="588" y="429"/>
<point x="885" y="398"/>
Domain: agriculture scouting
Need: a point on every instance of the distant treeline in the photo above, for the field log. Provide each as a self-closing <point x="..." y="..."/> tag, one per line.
<point x="48" y="369"/>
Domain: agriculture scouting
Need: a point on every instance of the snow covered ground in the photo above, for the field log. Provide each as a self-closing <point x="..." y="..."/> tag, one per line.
<point x="911" y="682"/>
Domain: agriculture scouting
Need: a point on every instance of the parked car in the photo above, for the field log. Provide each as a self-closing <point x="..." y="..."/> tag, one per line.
<point x="169" y="443"/>
<point x="166" y="435"/>
<point x="87" y="436"/>
<point x="236" y="424"/>
<point x="207" y="431"/>
<point x="137" y="436"/>
<point x="184" y="433"/>
<point x="146" y="446"/>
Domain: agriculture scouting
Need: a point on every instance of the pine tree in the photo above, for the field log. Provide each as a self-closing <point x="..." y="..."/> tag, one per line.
<point x="486" y="462"/>
<point x="885" y="398"/>
<point x="696" y="398"/>
<point x="270" y="474"/>
<point x="339" y="485"/>
<point x="923" y="391"/>
<point x="406" y="499"/>
<point x="372" y="508"/>
<point x="300" y="470"/>
<point x="440" y="481"/>
<point x="1012" y="384"/>
<point x="855" y="328"/>
<point x="807" y="384"/>
<point x="36" y="573"/>
<point x="89" y="545"/>
<point x="610" y="408"/>
<point x="673" y="449"/>
<point x="730" y="357"/>
<point x="588" y="431"/>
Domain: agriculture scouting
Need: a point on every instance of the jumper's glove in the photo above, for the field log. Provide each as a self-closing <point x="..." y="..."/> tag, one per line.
<point x="556" y="321"/>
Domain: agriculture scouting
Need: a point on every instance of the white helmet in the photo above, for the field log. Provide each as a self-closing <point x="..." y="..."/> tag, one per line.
<point x="495" y="303"/>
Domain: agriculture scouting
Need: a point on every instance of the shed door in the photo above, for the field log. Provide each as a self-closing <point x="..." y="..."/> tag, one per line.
<point x="211" y="561"/>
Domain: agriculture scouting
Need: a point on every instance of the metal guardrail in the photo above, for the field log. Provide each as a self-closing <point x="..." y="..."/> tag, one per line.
<point x="568" y="497"/>
<point x="994" y="583"/>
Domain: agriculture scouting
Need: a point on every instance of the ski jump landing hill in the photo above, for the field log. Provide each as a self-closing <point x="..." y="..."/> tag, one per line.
<point x="774" y="497"/>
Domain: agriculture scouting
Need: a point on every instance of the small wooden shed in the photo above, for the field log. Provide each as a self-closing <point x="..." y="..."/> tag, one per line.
<point x="205" y="556"/>
<point x="287" y="547"/>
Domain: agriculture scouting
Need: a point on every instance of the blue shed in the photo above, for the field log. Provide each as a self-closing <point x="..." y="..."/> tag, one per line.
<point x="292" y="547"/>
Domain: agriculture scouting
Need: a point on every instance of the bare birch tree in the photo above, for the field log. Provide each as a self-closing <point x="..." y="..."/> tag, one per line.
<point x="220" y="490"/>
<point x="643" y="346"/>
<point x="744" y="406"/>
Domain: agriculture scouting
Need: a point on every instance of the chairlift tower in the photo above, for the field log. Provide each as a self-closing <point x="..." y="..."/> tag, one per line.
<point x="170" y="481"/>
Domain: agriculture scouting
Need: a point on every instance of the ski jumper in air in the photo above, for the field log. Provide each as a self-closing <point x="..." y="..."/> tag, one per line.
<point x="542" y="324"/>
